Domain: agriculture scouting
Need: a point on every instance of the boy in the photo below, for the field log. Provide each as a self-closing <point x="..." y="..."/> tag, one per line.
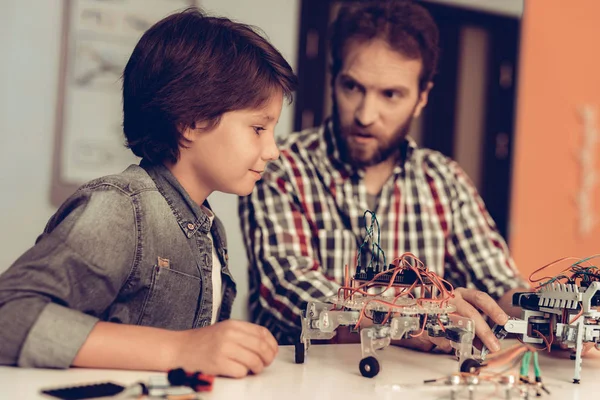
<point x="131" y="272"/>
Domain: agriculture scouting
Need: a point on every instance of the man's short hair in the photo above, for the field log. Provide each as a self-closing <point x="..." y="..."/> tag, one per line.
<point x="190" y="68"/>
<point x="407" y="28"/>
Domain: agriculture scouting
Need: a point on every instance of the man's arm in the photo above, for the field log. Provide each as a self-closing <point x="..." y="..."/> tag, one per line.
<point x="477" y="255"/>
<point x="284" y="257"/>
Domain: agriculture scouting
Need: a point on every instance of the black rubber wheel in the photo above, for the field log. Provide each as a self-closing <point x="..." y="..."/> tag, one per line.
<point x="470" y="366"/>
<point x="369" y="367"/>
<point x="300" y="351"/>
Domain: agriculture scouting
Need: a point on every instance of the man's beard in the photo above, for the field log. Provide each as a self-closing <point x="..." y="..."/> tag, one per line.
<point x="357" y="156"/>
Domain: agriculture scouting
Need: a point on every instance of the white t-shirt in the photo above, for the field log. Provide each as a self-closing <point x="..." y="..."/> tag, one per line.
<point x="217" y="283"/>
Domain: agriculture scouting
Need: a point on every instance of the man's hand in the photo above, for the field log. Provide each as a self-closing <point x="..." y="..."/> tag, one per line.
<point x="229" y="348"/>
<point x="467" y="303"/>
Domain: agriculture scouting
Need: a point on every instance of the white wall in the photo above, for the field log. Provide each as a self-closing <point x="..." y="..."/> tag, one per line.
<point x="28" y="79"/>
<point x="509" y="8"/>
<point x="29" y="46"/>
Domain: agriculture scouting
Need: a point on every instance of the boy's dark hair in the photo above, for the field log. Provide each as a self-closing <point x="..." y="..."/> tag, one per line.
<point x="190" y="68"/>
<point x="407" y="28"/>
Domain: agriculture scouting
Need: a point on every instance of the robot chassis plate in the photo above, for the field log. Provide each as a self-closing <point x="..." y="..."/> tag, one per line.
<point x="402" y="319"/>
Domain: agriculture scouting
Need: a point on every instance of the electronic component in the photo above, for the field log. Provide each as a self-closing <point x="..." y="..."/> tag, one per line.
<point x="403" y="300"/>
<point x="561" y="310"/>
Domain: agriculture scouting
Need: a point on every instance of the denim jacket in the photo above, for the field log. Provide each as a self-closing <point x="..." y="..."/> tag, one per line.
<point x="131" y="248"/>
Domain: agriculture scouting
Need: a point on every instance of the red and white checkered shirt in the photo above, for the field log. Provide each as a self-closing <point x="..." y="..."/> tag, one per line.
<point x="304" y="222"/>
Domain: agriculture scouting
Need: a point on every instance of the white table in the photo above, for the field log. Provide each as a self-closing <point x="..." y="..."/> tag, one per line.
<point x="330" y="372"/>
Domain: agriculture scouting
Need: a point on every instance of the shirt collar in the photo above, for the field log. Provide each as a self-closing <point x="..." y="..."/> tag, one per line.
<point x="189" y="215"/>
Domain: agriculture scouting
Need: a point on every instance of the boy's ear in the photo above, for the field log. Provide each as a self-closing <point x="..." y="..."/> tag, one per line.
<point x="190" y="133"/>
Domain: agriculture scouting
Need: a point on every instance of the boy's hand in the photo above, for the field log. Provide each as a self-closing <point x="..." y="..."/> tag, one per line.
<point x="230" y="348"/>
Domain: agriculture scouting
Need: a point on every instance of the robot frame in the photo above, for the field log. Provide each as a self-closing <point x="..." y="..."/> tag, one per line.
<point x="385" y="296"/>
<point x="562" y="310"/>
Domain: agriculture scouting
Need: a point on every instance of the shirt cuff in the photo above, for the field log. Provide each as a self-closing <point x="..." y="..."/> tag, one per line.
<point x="55" y="338"/>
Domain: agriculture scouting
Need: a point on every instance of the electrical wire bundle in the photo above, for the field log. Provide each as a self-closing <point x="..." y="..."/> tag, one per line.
<point x="405" y="276"/>
<point x="515" y="361"/>
<point x="576" y="273"/>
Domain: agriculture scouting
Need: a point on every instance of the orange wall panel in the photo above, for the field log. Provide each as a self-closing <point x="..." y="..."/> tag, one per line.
<point x="559" y="72"/>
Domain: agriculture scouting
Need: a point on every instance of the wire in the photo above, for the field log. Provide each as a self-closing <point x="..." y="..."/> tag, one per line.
<point x="376" y="249"/>
<point x="525" y="363"/>
<point x="544" y="338"/>
<point x="577" y="316"/>
<point x="506" y="356"/>
<point x="577" y="271"/>
<point x="536" y="366"/>
<point x="434" y="290"/>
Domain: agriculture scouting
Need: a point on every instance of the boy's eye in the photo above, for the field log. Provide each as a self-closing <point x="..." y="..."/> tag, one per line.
<point x="258" y="129"/>
<point x="349" y="85"/>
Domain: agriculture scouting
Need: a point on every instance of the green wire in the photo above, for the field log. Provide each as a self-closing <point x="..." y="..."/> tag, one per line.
<point x="376" y="249"/>
<point x="536" y="365"/>
<point x="586" y="259"/>
<point x="525" y="364"/>
<point x="576" y="268"/>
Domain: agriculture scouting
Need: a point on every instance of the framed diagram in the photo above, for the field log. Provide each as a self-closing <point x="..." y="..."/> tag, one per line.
<point x="98" y="36"/>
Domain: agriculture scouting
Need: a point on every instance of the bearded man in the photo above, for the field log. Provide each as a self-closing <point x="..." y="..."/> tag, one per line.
<point x="304" y="221"/>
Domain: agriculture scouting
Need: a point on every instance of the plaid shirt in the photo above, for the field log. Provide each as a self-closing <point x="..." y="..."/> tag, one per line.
<point x="304" y="222"/>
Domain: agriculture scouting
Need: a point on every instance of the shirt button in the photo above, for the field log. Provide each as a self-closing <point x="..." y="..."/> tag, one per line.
<point x="190" y="226"/>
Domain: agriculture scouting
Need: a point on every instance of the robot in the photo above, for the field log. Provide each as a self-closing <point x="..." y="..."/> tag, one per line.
<point x="559" y="313"/>
<point x="392" y="320"/>
<point x="402" y="300"/>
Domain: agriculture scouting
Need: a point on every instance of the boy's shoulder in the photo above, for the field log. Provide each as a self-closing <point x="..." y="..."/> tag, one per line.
<point x="130" y="182"/>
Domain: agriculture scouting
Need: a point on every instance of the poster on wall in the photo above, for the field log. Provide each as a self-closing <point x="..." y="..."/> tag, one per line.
<point x="98" y="36"/>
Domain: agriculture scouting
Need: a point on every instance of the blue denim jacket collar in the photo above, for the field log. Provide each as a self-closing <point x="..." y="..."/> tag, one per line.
<point x="188" y="213"/>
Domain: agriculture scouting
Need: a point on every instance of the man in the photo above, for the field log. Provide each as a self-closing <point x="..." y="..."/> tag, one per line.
<point x="304" y="219"/>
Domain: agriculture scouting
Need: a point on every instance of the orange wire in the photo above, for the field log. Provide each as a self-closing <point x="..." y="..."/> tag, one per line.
<point x="506" y="357"/>
<point x="402" y="263"/>
<point x="422" y="328"/>
<point x="551" y="264"/>
<point x="441" y="324"/>
<point x="543" y="338"/>
<point x="577" y="316"/>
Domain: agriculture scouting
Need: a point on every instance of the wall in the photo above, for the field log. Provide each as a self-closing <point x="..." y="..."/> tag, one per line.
<point x="509" y="8"/>
<point x="28" y="77"/>
<point x="558" y="74"/>
<point x="29" y="44"/>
